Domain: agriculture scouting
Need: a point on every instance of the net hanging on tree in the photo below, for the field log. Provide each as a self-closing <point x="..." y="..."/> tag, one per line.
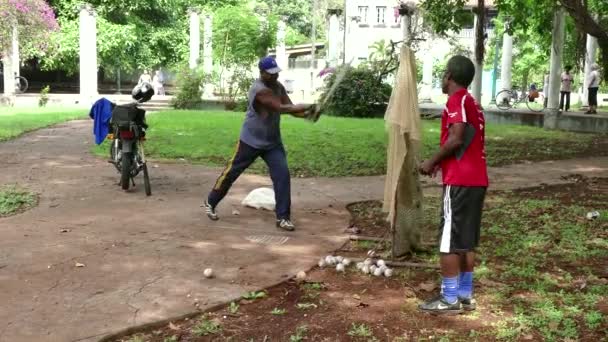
<point x="402" y="190"/>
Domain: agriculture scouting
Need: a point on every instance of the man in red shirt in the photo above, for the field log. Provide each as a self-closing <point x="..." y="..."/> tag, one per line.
<point x="462" y="160"/>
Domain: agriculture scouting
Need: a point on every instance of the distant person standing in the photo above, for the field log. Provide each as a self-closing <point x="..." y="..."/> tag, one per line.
<point x="158" y="83"/>
<point x="145" y="78"/>
<point x="593" y="84"/>
<point x="566" y="88"/>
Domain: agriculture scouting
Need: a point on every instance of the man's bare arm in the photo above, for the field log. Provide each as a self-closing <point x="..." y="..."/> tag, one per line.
<point x="275" y="103"/>
<point x="455" y="140"/>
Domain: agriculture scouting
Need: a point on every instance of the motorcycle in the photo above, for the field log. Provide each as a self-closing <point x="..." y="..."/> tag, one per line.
<point x="128" y="127"/>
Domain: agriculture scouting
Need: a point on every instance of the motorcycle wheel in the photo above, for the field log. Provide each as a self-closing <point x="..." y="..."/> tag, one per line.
<point x="125" y="174"/>
<point x="147" y="181"/>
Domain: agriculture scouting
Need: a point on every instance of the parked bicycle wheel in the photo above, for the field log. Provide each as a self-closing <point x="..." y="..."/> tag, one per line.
<point x="505" y="99"/>
<point x="537" y="104"/>
<point x="21" y="84"/>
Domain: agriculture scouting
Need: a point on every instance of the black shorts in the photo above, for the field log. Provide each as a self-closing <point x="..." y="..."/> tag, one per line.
<point x="593" y="96"/>
<point x="460" y="218"/>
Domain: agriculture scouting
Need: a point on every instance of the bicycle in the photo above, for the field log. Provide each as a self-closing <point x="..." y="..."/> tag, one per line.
<point x="507" y="99"/>
<point x="21" y="83"/>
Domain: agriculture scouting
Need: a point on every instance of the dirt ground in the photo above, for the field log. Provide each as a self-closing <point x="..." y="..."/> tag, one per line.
<point x="141" y="258"/>
<point x="331" y="306"/>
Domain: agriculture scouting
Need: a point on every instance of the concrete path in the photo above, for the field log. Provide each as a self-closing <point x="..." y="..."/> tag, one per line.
<point x="143" y="257"/>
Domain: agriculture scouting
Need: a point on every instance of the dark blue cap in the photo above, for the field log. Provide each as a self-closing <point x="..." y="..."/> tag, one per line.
<point x="269" y="64"/>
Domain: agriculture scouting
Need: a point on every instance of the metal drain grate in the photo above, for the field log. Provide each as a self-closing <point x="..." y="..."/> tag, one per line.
<point x="267" y="239"/>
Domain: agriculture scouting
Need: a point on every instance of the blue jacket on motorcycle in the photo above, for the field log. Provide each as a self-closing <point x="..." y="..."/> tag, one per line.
<point x="101" y="113"/>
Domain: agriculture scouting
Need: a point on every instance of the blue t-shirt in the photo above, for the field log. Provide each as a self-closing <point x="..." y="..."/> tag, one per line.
<point x="262" y="127"/>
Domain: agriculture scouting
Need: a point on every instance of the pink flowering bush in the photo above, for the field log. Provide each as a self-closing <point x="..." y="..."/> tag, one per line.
<point x="35" y="20"/>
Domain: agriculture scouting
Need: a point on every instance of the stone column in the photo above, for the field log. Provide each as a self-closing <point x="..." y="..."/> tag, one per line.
<point x="476" y="85"/>
<point x="281" y="48"/>
<point x="16" y="60"/>
<point x="590" y="56"/>
<point x="557" y="46"/>
<point x="88" y="54"/>
<point x="208" y="53"/>
<point x="351" y="53"/>
<point x="351" y="26"/>
<point x="333" y="37"/>
<point x="195" y="38"/>
<point x="427" y="79"/>
<point x="506" y="61"/>
<point x="406" y="20"/>
<point x="8" y="68"/>
<point x="208" y="45"/>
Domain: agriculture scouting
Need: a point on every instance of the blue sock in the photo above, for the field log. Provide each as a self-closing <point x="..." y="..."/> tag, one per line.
<point x="465" y="285"/>
<point x="449" y="289"/>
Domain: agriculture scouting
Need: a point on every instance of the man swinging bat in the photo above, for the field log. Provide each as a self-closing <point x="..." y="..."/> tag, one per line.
<point x="261" y="137"/>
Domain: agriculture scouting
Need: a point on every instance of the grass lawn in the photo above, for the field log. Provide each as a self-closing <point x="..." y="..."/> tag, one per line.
<point x="13" y="200"/>
<point x="16" y="121"/>
<point x="337" y="146"/>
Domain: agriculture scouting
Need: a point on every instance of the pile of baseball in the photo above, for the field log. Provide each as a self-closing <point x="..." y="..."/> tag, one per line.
<point x="377" y="268"/>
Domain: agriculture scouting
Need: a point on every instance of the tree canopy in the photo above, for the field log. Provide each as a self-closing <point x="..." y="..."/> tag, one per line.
<point x="34" y="20"/>
<point x="533" y="18"/>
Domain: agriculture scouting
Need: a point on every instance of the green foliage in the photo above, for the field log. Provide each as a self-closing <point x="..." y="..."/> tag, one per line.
<point x="359" y="330"/>
<point x="136" y="338"/>
<point x="253" y="295"/>
<point x="240" y="38"/>
<point x="306" y="306"/>
<point x="13" y="199"/>
<point x="300" y="334"/>
<point x="34" y="21"/>
<point x="361" y="93"/>
<point x="233" y="308"/>
<point x="278" y="312"/>
<point x="293" y="37"/>
<point x="206" y="327"/>
<point x="189" y="89"/>
<point x="234" y="93"/>
<point x="131" y="34"/>
<point x="445" y="15"/>
<point x="44" y="96"/>
<point x="171" y="338"/>
<point x="593" y="319"/>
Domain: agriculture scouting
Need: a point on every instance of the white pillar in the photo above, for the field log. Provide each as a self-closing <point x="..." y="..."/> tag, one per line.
<point x="333" y="38"/>
<point x="427" y="78"/>
<point x="280" y="48"/>
<point x="351" y="28"/>
<point x="195" y="39"/>
<point x="8" y="70"/>
<point x="557" y="47"/>
<point x="208" y="54"/>
<point x="590" y="56"/>
<point x="208" y="45"/>
<point x="506" y="62"/>
<point x="476" y="85"/>
<point x="88" y="54"/>
<point x="16" y="60"/>
<point x="351" y="53"/>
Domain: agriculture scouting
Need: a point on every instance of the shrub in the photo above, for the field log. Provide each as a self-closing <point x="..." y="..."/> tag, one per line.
<point x="360" y="94"/>
<point x="234" y="93"/>
<point x="44" y="96"/>
<point x="189" y="89"/>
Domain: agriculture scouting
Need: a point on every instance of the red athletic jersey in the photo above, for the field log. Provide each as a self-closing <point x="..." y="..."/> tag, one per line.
<point x="470" y="169"/>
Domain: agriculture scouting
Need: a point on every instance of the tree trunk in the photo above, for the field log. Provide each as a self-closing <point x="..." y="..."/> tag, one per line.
<point x="481" y="26"/>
